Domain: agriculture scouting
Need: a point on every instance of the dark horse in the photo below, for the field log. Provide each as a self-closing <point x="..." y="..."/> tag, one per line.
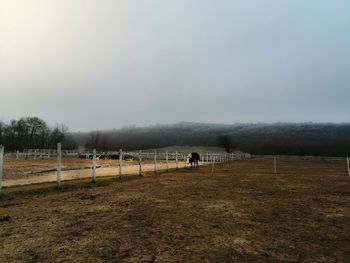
<point x="193" y="159"/>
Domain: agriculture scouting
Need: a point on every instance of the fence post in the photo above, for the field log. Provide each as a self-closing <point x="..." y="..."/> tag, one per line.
<point x="347" y="161"/>
<point x="177" y="161"/>
<point x="17" y="154"/>
<point x="185" y="159"/>
<point x="275" y="163"/>
<point x="120" y="163"/>
<point x="1" y="165"/>
<point x="213" y="163"/>
<point x="59" y="164"/>
<point x="94" y="165"/>
<point x="155" y="161"/>
<point x="167" y="161"/>
<point x="140" y="163"/>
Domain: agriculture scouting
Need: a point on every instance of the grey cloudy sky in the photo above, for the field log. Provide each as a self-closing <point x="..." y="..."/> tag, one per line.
<point x="95" y="64"/>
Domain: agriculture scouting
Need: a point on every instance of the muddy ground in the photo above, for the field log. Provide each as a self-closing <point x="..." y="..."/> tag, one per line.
<point x="240" y="213"/>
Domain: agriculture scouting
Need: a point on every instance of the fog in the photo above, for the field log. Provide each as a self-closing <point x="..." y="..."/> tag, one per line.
<point x="107" y="64"/>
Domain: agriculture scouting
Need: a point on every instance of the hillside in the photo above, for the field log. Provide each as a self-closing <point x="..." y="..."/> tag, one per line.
<point x="278" y="138"/>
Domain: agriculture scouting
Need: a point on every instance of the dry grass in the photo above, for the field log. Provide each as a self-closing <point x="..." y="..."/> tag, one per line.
<point x="241" y="213"/>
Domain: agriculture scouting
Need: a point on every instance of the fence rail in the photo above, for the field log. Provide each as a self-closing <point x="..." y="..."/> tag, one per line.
<point x="140" y="161"/>
<point x="296" y="157"/>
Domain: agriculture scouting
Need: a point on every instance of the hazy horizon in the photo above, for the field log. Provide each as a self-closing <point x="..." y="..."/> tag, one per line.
<point x="154" y="125"/>
<point x="96" y="65"/>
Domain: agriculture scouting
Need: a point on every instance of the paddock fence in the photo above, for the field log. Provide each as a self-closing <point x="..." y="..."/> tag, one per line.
<point x="56" y="165"/>
<point x="34" y="166"/>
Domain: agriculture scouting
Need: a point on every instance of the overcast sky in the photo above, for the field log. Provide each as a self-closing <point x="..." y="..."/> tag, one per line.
<point x="94" y="64"/>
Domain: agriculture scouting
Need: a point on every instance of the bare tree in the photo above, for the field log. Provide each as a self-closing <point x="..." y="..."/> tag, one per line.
<point x="33" y="133"/>
<point x="227" y="143"/>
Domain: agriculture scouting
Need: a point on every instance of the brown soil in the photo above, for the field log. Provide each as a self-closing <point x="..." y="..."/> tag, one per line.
<point x="241" y="213"/>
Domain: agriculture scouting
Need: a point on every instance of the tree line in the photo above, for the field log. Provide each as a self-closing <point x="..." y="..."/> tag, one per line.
<point x="33" y="133"/>
<point x="278" y="138"/>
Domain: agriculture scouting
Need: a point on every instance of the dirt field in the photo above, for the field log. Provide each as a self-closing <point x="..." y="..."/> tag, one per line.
<point x="12" y="165"/>
<point x="241" y="213"/>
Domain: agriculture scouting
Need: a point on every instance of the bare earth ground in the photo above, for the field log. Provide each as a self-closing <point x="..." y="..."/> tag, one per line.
<point x="241" y="213"/>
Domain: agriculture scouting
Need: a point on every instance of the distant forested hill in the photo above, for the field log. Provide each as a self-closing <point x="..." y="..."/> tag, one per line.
<point x="279" y="138"/>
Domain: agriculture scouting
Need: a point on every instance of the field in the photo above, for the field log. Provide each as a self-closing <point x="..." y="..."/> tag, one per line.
<point x="242" y="212"/>
<point x="73" y="168"/>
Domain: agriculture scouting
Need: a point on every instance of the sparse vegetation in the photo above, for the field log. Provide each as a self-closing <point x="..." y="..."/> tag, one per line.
<point x="241" y="213"/>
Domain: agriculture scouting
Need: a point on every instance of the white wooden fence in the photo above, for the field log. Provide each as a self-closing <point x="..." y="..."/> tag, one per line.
<point x="206" y="158"/>
<point x="141" y="156"/>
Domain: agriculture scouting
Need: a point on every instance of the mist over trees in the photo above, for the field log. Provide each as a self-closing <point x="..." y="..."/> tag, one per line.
<point x="279" y="138"/>
<point x="33" y="133"/>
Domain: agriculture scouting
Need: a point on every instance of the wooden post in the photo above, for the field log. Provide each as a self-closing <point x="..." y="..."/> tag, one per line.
<point x="17" y="154"/>
<point x="35" y="154"/>
<point x="120" y="163"/>
<point x="155" y="161"/>
<point x="213" y="163"/>
<point x="207" y="157"/>
<point x="177" y="161"/>
<point x="275" y="163"/>
<point x="347" y="161"/>
<point x="94" y="165"/>
<point x="1" y="165"/>
<point x="59" y="164"/>
<point x="140" y="163"/>
<point x="185" y="159"/>
<point x="167" y="161"/>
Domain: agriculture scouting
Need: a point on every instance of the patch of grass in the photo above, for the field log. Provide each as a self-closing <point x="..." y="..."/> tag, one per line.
<point x="9" y="193"/>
